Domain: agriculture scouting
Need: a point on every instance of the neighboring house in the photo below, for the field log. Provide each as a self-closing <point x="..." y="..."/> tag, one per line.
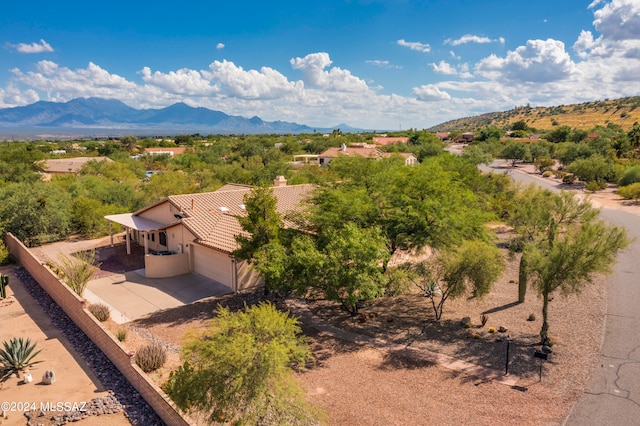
<point x="196" y="232"/>
<point x="465" y="137"/>
<point x="160" y="151"/>
<point x="442" y="135"/>
<point x="68" y="165"/>
<point x="365" y="151"/>
<point x="384" y="141"/>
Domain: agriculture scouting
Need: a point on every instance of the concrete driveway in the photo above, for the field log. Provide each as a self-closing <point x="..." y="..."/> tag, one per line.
<point x="131" y="295"/>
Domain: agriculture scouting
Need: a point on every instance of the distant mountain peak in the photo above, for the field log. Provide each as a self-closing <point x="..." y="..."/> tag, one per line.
<point x="114" y="116"/>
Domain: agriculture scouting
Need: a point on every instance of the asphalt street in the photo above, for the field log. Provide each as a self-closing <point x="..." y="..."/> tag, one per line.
<point x="612" y="396"/>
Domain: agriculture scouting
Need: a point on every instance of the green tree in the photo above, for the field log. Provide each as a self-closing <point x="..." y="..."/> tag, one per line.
<point x="470" y="268"/>
<point x="515" y="151"/>
<point x="261" y="224"/>
<point x="477" y="155"/>
<point x="593" y="169"/>
<point x="348" y="268"/>
<point x="574" y="246"/>
<point x="35" y="213"/>
<point x="239" y="371"/>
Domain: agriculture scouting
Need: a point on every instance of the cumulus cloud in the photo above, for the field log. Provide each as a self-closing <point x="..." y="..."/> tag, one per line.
<point x="618" y="19"/>
<point x="336" y="79"/>
<point x="250" y="84"/>
<point x="444" y="68"/>
<point x="537" y="61"/>
<point x="181" y="82"/>
<point x="430" y="92"/>
<point x="469" y="38"/>
<point x="415" y="45"/>
<point x="220" y="46"/>
<point x="584" y="44"/>
<point x="34" y="47"/>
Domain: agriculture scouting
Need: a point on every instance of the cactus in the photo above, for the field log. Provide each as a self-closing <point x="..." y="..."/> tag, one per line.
<point x="4" y="283"/>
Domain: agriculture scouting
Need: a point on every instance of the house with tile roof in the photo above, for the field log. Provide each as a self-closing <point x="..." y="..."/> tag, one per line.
<point x="63" y="166"/>
<point x="384" y="141"/>
<point x="160" y="151"/>
<point x="196" y="233"/>
<point x="362" y="150"/>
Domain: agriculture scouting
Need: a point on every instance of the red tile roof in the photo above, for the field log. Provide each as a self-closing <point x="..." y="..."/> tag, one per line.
<point x="387" y="141"/>
<point x="211" y="216"/>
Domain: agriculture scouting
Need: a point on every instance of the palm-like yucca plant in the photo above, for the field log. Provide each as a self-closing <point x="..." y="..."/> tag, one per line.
<point x="17" y="355"/>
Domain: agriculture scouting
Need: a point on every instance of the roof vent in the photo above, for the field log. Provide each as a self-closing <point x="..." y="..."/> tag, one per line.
<point x="223" y="209"/>
<point x="279" y="181"/>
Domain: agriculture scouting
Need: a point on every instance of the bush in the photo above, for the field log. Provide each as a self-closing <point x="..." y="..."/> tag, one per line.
<point x="631" y="175"/>
<point x="100" y="311"/>
<point x="492" y="330"/>
<point x="151" y="357"/>
<point x="544" y="163"/>
<point x="568" y="178"/>
<point x="532" y="317"/>
<point x="121" y="334"/>
<point x="630" y="192"/>
<point x="547" y="174"/>
<point x="595" y="186"/>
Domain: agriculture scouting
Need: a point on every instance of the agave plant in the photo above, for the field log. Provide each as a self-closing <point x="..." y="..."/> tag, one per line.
<point x="17" y="355"/>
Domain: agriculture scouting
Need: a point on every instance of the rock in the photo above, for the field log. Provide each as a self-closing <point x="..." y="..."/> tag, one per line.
<point x="28" y="415"/>
<point x="502" y="329"/>
<point x="27" y="377"/>
<point x="465" y="320"/>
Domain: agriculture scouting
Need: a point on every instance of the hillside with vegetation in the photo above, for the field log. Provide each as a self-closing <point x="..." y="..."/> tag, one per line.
<point x="621" y="112"/>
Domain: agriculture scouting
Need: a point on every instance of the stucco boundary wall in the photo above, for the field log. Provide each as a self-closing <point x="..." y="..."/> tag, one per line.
<point x="74" y="307"/>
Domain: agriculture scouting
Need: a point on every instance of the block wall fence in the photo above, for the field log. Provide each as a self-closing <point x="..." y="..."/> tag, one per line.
<point x="75" y="308"/>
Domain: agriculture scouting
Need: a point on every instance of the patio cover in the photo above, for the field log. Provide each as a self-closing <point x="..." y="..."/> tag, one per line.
<point x="135" y="222"/>
<point x="130" y="221"/>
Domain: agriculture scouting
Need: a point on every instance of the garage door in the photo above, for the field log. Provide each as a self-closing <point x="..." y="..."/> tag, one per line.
<point x="212" y="264"/>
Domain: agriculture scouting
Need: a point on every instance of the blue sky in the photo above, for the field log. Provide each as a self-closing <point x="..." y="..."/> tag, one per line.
<point x="371" y="64"/>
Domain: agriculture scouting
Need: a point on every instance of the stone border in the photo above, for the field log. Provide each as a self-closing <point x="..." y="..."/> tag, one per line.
<point x="74" y="307"/>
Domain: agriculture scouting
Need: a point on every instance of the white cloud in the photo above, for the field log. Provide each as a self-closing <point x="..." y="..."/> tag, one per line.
<point x="415" y="45"/>
<point x="537" y="61"/>
<point x="382" y="64"/>
<point x="444" y="68"/>
<point x="618" y="19"/>
<point x="34" y="47"/>
<point x="252" y="84"/>
<point x="430" y="92"/>
<point x="469" y="38"/>
<point x="336" y="79"/>
<point x="220" y="46"/>
<point x="584" y="44"/>
<point x="181" y="82"/>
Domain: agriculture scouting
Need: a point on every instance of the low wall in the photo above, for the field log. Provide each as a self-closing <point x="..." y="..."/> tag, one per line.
<point x="166" y="266"/>
<point x="74" y="307"/>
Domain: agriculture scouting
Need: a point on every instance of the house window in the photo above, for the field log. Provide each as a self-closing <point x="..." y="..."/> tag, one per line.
<point x="162" y="238"/>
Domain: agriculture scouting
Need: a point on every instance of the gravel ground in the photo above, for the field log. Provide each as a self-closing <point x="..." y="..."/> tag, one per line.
<point x="125" y="397"/>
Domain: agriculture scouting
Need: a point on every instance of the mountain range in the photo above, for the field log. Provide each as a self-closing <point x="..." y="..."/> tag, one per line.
<point x="113" y="117"/>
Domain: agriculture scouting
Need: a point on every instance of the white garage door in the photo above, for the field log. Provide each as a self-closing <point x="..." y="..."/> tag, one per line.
<point x="213" y="264"/>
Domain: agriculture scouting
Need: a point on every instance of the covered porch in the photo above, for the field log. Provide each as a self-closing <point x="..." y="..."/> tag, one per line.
<point x="159" y="263"/>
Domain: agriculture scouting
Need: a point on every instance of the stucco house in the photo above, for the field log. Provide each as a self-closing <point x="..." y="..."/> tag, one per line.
<point x="63" y="166"/>
<point x="363" y="150"/>
<point x="195" y="233"/>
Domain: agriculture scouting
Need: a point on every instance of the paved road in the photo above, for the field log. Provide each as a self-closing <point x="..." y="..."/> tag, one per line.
<point x="613" y="395"/>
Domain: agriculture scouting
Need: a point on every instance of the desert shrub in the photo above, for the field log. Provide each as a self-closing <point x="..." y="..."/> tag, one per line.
<point x="568" y="178"/>
<point x="543" y="164"/>
<point x="595" y="186"/>
<point x="100" y="311"/>
<point x="467" y="325"/>
<point x="631" y="175"/>
<point x="532" y="317"/>
<point x="630" y="192"/>
<point x="483" y="319"/>
<point x="492" y="329"/>
<point x="151" y="357"/>
<point x="547" y="174"/>
<point x="121" y="334"/>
